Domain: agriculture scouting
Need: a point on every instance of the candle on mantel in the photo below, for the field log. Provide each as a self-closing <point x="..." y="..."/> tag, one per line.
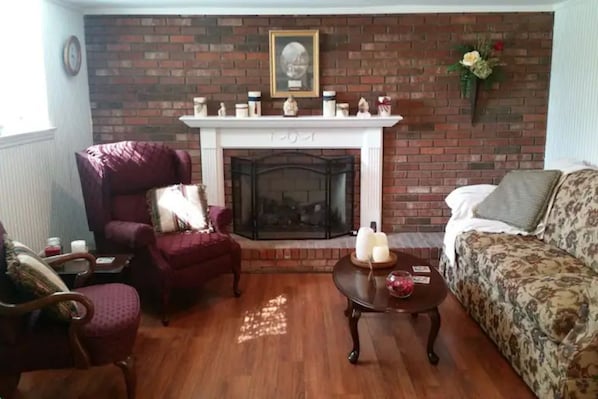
<point x="380" y="253"/>
<point x="364" y="244"/>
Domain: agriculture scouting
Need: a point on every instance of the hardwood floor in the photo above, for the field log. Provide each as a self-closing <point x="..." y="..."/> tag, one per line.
<point x="287" y="337"/>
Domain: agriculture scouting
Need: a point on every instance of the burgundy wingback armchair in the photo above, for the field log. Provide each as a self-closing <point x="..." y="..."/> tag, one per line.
<point x="104" y="332"/>
<point x="115" y="178"/>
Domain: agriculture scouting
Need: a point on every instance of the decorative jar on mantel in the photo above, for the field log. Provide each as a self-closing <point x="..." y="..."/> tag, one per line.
<point x="383" y="105"/>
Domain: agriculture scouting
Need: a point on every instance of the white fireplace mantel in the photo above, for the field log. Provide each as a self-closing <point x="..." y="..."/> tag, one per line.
<point x="218" y="133"/>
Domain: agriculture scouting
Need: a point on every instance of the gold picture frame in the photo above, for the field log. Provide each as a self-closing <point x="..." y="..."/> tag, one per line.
<point x="294" y="63"/>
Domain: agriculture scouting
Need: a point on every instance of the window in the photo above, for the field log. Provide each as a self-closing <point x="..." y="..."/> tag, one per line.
<point x="23" y="94"/>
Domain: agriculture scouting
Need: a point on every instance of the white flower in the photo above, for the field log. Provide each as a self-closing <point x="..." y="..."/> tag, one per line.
<point x="470" y="58"/>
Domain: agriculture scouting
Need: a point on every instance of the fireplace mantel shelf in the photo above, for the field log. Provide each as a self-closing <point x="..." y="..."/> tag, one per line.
<point x="282" y="122"/>
<point x="303" y="132"/>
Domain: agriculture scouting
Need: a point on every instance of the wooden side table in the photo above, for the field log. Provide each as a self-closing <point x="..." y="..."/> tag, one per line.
<point x="109" y="269"/>
<point x="367" y="292"/>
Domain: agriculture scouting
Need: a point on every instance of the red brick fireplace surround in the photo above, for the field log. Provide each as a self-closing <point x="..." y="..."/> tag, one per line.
<point x="145" y="71"/>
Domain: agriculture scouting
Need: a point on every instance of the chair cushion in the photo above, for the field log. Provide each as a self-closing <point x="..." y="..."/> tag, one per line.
<point x="110" y="334"/>
<point x="520" y="199"/>
<point x="36" y="278"/>
<point x="178" y="208"/>
<point x="190" y="248"/>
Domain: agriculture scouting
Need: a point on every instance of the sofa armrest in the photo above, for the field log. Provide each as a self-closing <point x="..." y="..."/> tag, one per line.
<point x="131" y="234"/>
<point x="579" y="351"/>
<point x="221" y="218"/>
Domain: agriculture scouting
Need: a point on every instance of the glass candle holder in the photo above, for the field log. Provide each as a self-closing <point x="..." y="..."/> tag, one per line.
<point x="53" y="247"/>
<point x="400" y="283"/>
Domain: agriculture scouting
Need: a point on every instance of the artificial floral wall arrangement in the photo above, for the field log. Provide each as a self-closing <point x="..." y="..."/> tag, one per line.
<point x="478" y="62"/>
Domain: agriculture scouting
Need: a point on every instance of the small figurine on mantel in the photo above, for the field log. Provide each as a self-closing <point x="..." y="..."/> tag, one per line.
<point x="222" y="110"/>
<point x="290" y="108"/>
<point x="363" y="108"/>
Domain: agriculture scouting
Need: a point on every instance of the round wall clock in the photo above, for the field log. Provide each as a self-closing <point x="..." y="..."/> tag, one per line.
<point x="72" y="56"/>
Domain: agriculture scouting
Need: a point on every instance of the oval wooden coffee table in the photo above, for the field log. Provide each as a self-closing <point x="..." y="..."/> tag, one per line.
<point x="367" y="292"/>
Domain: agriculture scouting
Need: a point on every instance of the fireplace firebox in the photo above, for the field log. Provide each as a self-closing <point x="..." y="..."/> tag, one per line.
<point x="292" y="195"/>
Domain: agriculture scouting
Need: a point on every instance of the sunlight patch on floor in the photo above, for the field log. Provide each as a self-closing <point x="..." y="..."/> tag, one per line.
<point x="269" y="320"/>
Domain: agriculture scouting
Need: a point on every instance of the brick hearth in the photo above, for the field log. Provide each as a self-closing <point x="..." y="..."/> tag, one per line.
<point x="321" y="255"/>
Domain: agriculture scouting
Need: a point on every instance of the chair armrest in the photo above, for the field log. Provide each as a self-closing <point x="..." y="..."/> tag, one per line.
<point x="130" y="234"/>
<point x="8" y="309"/>
<point x="578" y="353"/>
<point x="82" y="276"/>
<point x="221" y="218"/>
<point x="80" y="356"/>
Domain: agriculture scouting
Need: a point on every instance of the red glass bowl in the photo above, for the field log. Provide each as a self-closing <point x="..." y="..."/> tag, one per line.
<point x="400" y="283"/>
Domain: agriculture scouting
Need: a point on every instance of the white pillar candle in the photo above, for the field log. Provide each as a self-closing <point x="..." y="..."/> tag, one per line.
<point x="380" y="253"/>
<point x="364" y="243"/>
<point x="381" y="239"/>
<point x="78" y="246"/>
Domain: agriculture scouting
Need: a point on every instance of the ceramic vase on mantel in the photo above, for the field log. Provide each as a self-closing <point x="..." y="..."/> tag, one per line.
<point x="474" y="89"/>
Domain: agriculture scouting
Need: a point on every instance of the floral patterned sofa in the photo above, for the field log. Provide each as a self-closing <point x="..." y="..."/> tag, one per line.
<point x="538" y="299"/>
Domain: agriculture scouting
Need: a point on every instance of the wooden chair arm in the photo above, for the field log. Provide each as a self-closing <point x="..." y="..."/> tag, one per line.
<point x="81" y="277"/>
<point x="8" y="309"/>
<point x="81" y="358"/>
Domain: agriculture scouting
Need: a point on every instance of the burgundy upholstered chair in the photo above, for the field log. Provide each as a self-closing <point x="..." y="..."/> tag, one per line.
<point x="103" y="333"/>
<point x="115" y="178"/>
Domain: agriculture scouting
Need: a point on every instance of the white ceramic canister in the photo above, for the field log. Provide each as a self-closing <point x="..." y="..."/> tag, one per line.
<point x="254" y="101"/>
<point x="329" y="103"/>
<point x="384" y="105"/>
<point x="241" y="110"/>
<point x="342" y="110"/>
<point x="200" y="107"/>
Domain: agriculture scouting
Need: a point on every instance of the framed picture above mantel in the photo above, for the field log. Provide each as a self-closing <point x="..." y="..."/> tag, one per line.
<point x="294" y="63"/>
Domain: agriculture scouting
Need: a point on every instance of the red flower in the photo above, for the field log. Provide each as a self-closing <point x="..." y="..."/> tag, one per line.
<point x="499" y="45"/>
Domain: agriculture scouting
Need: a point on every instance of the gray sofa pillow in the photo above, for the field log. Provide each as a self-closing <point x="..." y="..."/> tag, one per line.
<point x="520" y="199"/>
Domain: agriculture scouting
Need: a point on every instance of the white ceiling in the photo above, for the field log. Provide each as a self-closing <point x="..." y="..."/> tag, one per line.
<point x="303" y="7"/>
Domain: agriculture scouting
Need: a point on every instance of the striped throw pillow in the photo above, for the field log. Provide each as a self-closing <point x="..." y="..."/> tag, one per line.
<point x="178" y="208"/>
<point x="520" y="199"/>
<point x="36" y="278"/>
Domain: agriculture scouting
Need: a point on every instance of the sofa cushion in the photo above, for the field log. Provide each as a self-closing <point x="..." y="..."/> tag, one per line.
<point x="572" y="224"/>
<point x="551" y="301"/>
<point x="530" y="274"/>
<point x="178" y="208"/>
<point x="36" y="278"/>
<point x="503" y="258"/>
<point x="463" y="200"/>
<point x="520" y="199"/>
<point x="190" y="248"/>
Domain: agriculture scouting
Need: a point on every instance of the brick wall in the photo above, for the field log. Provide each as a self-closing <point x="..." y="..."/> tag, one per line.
<point x="144" y="72"/>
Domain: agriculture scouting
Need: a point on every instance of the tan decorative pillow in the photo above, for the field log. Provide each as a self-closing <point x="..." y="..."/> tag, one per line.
<point x="36" y="278"/>
<point x="520" y="199"/>
<point x="178" y="208"/>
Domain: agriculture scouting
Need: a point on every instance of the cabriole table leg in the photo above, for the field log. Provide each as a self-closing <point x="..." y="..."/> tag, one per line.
<point x="353" y="319"/>
<point x="434" y="328"/>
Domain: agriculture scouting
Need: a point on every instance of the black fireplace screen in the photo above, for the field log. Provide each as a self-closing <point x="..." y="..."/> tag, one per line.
<point x="292" y="195"/>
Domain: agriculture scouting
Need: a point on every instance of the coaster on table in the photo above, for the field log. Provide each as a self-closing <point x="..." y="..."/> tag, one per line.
<point x="421" y="279"/>
<point x="421" y="269"/>
<point x="105" y="260"/>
